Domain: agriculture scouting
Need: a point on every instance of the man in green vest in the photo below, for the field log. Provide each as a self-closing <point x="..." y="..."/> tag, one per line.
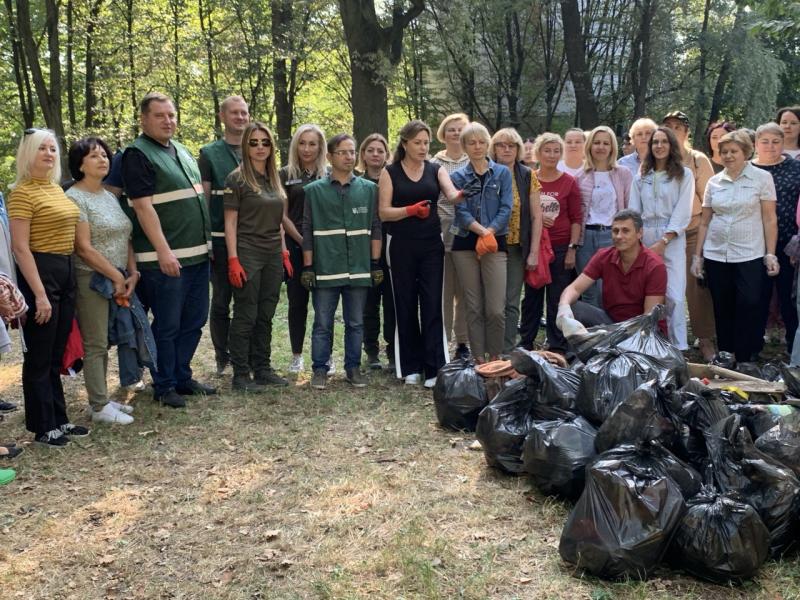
<point x="171" y="241"/>
<point x="341" y="257"/>
<point x="216" y="161"/>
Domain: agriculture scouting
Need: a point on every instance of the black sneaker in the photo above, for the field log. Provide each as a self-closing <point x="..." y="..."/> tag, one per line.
<point x="319" y="379"/>
<point x="9" y="451"/>
<point x="52" y="439"/>
<point x="7" y="407"/>
<point x="221" y="364"/>
<point x="355" y="378"/>
<point x="170" y="398"/>
<point x="374" y="362"/>
<point x="462" y="352"/>
<point x="243" y="383"/>
<point x="269" y="378"/>
<point x="72" y="431"/>
<point x="195" y="388"/>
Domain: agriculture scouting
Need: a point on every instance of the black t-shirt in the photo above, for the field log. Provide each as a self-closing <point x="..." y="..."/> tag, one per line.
<point x="138" y="173"/>
<point x="296" y="195"/>
<point x="406" y="192"/>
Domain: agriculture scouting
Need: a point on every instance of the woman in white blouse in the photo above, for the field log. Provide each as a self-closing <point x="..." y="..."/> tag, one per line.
<point x="662" y="191"/>
<point x="605" y="189"/>
<point x="574" y="152"/>
<point x="737" y="235"/>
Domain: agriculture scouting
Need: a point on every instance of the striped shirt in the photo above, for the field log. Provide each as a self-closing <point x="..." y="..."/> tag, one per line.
<point x="52" y="215"/>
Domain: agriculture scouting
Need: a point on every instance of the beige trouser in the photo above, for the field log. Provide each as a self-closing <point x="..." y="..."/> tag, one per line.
<point x="453" y="303"/>
<point x="483" y="283"/>
<point x="92" y="313"/>
<point x="701" y="310"/>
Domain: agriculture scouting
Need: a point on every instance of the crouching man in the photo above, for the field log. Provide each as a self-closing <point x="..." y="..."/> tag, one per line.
<point x="634" y="280"/>
<point x="341" y="252"/>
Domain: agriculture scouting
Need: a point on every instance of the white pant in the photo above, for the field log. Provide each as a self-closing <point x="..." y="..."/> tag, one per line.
<point x="675" y="261"/>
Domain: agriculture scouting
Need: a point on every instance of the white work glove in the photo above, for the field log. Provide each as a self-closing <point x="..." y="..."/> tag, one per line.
<point x="566" y="322"/>
<point x="697" y="266"/>
<point x="772" y="264"/>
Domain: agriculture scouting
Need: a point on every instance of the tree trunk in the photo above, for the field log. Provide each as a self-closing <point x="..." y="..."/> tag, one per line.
<point x="725" y="69"/>
<point x="175" y="7"/>
<point x="207" y="31"/>
<point x="374" y="52"/>
<point x="70" y="64"/>
<point x="90" y="95"/>
<point x="284" y="109"/>
<point x="575" y="49"/>
<point x="701" y="98"/>
<point x="134" y="97"/>
<point x="640" y="57"/>
<point x="24" y="93"/>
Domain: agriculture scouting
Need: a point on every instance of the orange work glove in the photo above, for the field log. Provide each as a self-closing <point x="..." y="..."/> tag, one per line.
<point x="421" y="209"/>
<point x="287" y="264"/>
<point x="489" y="242"/>
<point x="236" y="274"/>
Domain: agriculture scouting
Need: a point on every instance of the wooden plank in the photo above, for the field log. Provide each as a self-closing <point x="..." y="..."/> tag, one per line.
<point x="711" y="371"/>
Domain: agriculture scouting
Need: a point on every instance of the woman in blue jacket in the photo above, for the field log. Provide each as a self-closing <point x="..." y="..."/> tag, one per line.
<point x="479" y="246"/>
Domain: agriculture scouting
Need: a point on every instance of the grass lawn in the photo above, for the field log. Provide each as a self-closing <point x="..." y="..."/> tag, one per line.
<point x="291" y="494"/>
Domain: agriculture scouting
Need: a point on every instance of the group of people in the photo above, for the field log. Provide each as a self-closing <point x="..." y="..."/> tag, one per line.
<point x="440" y="247"/>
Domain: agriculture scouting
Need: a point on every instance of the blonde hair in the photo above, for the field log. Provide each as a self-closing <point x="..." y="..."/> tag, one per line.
<point x="26" y="155"/>
<point x="741" y="138"/>
<point x="642" y="124"/>
<point x="547" y="138"/>
<point x="447" y="120"/>
<point x="507" y="134"/>
<point x="293" y="167"/>
<point x="588" y="164"/>
<point x="474" y="130"/>
<point x="770" y="127"/>
<point x="230" y="100"/>
<point x="372" y="137"/>
<point x="246" y="168"/>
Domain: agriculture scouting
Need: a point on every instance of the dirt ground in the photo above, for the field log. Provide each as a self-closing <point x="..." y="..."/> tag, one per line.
<point x="291" y="494"/>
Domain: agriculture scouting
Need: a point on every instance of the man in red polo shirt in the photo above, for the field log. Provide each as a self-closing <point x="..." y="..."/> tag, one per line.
<point x="634" y="279"/>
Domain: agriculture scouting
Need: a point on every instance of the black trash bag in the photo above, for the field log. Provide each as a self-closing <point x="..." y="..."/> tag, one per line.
<point x="721" y="538"/>
<point x="610" y="378"/>
<point x="459" y="395"/>
<point x="760" y="418"/>
<point x="723" y="359"/>
<point x="763" y="482"/>
<point x="701" y="406"/>
<point x="503" y="425"/>
<point x="625" y="519"/>
<point x="791" y="379"/>
<point x="553" y="385"/>
<point x="782" y="443"/>
<point x="750" y="368"/>
<point x="556" y="453"/>
<point x="772" y="372"/>
<point x="648" y="414"/>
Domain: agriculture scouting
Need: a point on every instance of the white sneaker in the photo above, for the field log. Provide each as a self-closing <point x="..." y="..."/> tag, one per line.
<point x="429" y="383"/>
<point x="136" y="387"/>
<point x="331" y="366"/>
<point x="413" y="379"/>
<point x="123" y="408"/>
<point x="297" y="363"/>
<point x="109" y="414"/>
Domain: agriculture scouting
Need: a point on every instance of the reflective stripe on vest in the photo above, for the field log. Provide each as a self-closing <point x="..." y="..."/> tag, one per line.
<point x="179" y="253"/>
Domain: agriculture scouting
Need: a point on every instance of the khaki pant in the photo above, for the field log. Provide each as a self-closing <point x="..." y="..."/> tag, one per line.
<point x="455" y="318"/>
<point x="701" y="310"/>
<point x="483" y="283"/>
<point x="514" y="280"/>
<point x="92" y="313"/>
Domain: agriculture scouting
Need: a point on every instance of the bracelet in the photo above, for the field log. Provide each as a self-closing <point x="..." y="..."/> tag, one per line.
<point x="666" y="240"/>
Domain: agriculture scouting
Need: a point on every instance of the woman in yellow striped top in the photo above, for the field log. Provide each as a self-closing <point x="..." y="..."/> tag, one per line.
<point x="43" y="222"/>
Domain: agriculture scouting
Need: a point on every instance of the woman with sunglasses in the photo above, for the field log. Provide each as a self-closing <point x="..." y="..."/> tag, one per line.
<point x="306" y="163"/>
<point x="255" y="207"/>
<point x="43" y="222"/>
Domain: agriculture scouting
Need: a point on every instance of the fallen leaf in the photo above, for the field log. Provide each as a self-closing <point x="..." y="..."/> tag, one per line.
<point x="272" y="534"/>
<point x="525" y="580"/>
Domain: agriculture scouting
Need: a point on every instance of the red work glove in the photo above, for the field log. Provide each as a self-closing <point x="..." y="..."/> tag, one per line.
<point x="287" y="264"/>
<point x="421" y="209"/>
<point x="236" y="274"/>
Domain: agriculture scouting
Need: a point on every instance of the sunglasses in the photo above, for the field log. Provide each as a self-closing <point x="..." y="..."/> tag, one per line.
<point x="254" y="143"/>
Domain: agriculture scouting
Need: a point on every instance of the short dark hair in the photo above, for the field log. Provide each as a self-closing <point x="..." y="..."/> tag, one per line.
<point x="144" y="105"/>
<point x="633" y="215"/>
<point x="79" y="150"/>
<point x="334" y="142"/>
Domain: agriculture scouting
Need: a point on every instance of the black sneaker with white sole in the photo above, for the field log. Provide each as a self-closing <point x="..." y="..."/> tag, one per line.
<point x="7" y="407"/>
<point x="72" y="431"/>
<point x="52" y="439"/>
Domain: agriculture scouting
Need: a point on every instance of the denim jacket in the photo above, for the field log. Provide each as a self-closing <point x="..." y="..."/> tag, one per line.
<point x="492" y="207"/>
<point x="129" y="330"/>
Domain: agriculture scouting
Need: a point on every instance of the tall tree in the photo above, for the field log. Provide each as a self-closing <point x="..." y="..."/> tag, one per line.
<point x="205" y="10"/>
<point x="24" y="92"/>
<point x="375" y="50"/>
<point x="575" y="49"/>
<point x="640" y="55"/>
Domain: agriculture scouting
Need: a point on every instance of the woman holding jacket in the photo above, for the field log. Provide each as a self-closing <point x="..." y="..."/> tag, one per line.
<point x="662" y="192"/>
<point x="479" y="246"/>
<point x="605" y="189"/>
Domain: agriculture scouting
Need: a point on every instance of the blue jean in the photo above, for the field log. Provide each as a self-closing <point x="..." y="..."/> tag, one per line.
<point x="593" y="240"/>
<point x="325" y="301"/>
<point x="180" y="309"/>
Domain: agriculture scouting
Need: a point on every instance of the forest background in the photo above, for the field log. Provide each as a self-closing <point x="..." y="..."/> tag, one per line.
<point x="81" y="66"/>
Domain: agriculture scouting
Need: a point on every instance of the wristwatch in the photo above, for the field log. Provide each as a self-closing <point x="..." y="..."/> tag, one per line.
<point x="574" y="246"/>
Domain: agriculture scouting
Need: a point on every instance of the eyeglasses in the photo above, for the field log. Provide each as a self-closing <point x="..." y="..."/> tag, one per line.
<point x="344" y="152"/>
<point x="254" y="143"/>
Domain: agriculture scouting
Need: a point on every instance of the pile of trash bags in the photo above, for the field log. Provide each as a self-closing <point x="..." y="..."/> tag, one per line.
<point x="662" y="470"/>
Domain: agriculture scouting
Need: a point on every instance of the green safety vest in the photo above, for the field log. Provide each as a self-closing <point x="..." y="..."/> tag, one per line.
<point x="180" y="205"/>
<point x="342" y="230"/>
<point x="222" y="161"/>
